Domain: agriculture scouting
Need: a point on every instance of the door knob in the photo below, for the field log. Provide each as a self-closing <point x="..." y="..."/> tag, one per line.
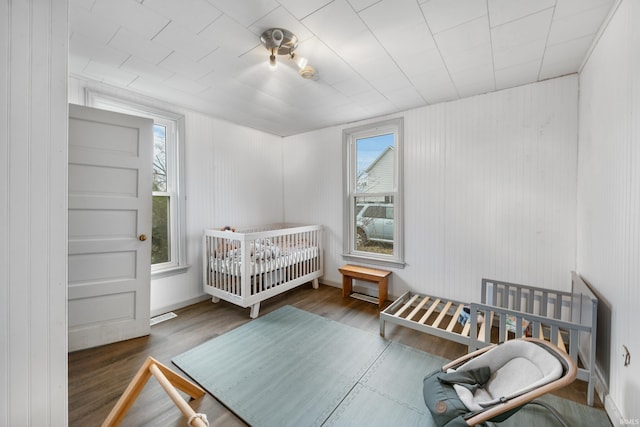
<point x="142" y="237"/>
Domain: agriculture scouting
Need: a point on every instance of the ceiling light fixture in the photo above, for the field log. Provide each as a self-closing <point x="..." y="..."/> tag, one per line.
<point x="279" y="41"/>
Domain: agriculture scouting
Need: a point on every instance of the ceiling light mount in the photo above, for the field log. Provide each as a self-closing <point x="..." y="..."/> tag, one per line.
<point x="279" y="41"/>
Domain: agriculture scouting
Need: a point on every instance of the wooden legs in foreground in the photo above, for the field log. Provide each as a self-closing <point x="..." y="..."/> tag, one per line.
<point x="169" y="381"/>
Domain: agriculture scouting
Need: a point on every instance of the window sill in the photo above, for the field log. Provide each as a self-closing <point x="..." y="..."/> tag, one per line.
<point x="170" y="271"/>
<point x="375" y="261"/>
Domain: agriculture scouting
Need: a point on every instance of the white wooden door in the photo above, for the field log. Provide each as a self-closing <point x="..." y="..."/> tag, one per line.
<point x="109" y="259"/>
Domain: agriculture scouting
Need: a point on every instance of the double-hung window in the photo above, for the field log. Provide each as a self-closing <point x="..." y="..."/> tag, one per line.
<point x="373" y="227"/>
<point x="168" y="224"/>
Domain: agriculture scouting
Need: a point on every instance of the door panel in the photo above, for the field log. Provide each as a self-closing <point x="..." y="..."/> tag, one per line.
<point x="109" y="208"/>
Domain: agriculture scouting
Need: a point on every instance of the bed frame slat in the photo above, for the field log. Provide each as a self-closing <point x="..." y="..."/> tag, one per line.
<point x="429" y="311"/>
<point x="418" y="307"/>
<point x="443" y="313"/>
<point x="466" y="329"/>
<point x="454" y="319"/>
<point x="488" y="318"/>
<point x="406" y="306"/>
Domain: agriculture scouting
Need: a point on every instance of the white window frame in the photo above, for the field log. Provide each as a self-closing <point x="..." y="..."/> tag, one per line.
<point x="349" y="170"/>
<point x="174" y="124"/>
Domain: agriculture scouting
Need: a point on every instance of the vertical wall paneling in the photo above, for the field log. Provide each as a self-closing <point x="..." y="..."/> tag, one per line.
<point x="33" y="147"/>
<point x="608" y="220"/>
<point x="4" y="212"/>
<point x="312" y="181"/>
<point x="490" y="190"/>
<point x="233" y="177"/>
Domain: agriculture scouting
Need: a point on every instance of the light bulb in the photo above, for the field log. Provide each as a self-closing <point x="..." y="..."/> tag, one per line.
<point x="272" y="61"/>
<point x="300" y="61"/>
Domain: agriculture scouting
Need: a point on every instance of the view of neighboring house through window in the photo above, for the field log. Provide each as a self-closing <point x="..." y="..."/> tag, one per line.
<point x="167" y="236"/>
<point x="373" y="208"/>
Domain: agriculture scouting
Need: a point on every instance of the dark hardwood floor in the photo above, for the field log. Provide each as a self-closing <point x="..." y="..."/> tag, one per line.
<point x="98" y="376"/>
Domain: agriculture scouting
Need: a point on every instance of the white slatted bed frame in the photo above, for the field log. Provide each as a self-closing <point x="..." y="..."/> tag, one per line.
<point x="243" y="268"/>
<point x="567" y="319"/>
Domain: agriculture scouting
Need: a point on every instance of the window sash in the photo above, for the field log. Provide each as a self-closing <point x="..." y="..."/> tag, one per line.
<point x="350" y="168"/>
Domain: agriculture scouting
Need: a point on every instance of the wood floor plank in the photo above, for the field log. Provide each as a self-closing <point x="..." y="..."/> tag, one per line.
<point x="98" y="376"/>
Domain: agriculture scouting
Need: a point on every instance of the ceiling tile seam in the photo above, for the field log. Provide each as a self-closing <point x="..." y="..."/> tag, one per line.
<point x="546" y="44"/>
<point x="237" y="22"/>
<point x="451" y="28"/>
<point x="522" y="17"/>
<point x="197" y="33"/>
<point x="390" y="56"/>
<point x="157" y="64"/>
<point x="337" y="55"/>
<point x="108" y="44"/>
<point x="493" y="57"/>
<point x="373" y="4"/>
<point x="247" y="27"/>
<point x="259" y="18"/>
<point x="304" y="17"/>
<point x="113" y="36"/>
<point x="214" y="21"/>
<point x="446" y="67"/>
<point x="132" y="81"/>
<point x="125" y="61"/>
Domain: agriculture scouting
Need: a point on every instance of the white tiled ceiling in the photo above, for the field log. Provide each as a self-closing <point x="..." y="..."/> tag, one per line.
<point x="373" y="57"/>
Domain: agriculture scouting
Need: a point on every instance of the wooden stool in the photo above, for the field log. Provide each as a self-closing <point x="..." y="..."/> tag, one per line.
<point x="373" y="275"/>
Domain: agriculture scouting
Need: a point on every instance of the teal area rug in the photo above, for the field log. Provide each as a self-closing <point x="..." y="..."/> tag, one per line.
<point x="294" y="368"/>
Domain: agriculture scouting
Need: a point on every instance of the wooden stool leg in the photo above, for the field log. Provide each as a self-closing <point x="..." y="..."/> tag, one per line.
<point x="347" y="285"/>
<point x="382" y="292"/>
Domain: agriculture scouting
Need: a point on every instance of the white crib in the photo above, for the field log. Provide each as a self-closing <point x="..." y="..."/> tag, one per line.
<point x="247" y="266"/>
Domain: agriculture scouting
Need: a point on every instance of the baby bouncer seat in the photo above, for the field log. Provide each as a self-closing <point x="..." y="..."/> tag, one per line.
<point x="491" y="384"/>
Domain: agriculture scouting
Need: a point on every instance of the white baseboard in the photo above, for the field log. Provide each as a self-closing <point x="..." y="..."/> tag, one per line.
<point x="330" y="283"/>
<point x="609" y="405"/>
<point x="177" y="305"/>
<point x="612" y="410"/>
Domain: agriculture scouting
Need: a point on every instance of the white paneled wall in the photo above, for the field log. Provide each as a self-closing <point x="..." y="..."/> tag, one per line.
<point x="313" y="189"/>
<point x="33" y="206"/>
<point x="608" y="236"/>
<point x="490" y="190"/>
<point x="233" y="177"/>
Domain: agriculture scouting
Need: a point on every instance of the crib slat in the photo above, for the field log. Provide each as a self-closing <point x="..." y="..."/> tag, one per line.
<point x="483" y="328"/>
<point x="454" y="319"/>
<point x="429" y="311"/>
<point x="494" y="289"/>
<point x="503" y="332"/>
<point x="530" y="301"/>
<point x="560" y="301"/>
<point x="406" y="306"/>
<point x="443" y="312"/>
<point x="418" y="307"/>
<point x="573" y="343"/>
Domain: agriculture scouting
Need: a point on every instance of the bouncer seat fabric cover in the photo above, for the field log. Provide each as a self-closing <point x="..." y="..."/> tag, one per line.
<point x="506" y="371"/>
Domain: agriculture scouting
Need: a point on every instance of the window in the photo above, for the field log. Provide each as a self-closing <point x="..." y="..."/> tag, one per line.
<point x="373" y="225"/>
<point x="168" y="225"/>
